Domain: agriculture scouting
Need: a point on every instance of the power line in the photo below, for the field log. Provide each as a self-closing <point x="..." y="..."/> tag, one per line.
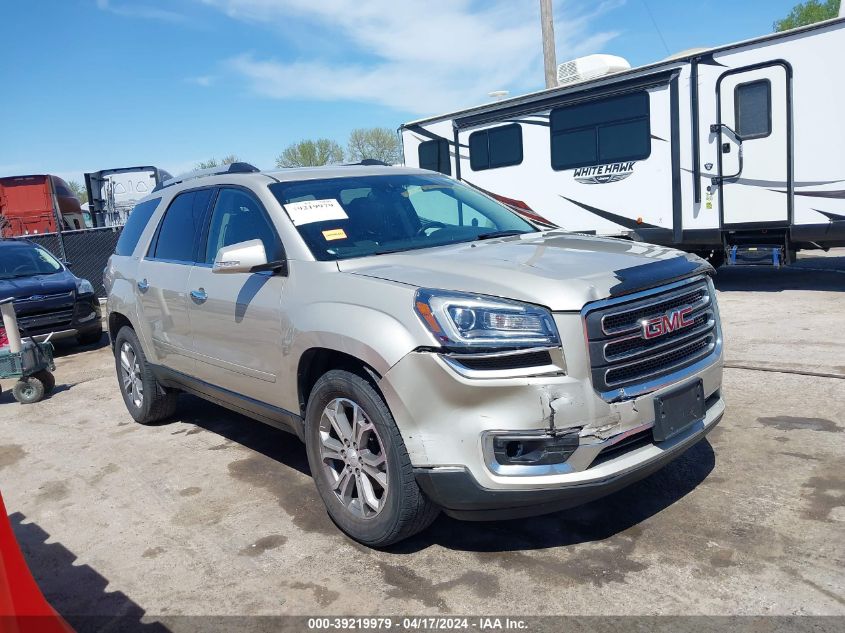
<point x="656" y="28"/>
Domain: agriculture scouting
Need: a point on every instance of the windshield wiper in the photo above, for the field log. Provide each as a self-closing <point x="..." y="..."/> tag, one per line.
<point x="492" y="234"/>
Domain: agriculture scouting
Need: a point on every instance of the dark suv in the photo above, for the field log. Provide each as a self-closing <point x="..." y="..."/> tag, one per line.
<point x="49" y="299"/>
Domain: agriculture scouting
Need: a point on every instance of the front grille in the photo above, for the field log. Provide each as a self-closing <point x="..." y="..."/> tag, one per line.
<point x="622" y="358"/>
<point x="64" y="297"/>
<point x="51" y="321"/>
<point x="506" y="361"/>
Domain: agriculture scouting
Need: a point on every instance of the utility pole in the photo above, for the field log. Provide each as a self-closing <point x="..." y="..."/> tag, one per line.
<point x="548" y="24"/>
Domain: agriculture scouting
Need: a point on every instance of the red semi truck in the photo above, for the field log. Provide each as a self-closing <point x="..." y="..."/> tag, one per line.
<point x="31" y="204"/>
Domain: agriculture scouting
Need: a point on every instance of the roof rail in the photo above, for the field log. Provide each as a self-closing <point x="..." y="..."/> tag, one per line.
<point x="232" y="168"/>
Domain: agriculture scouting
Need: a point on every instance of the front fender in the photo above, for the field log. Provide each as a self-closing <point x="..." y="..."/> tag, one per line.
<point x="378" y="339"/>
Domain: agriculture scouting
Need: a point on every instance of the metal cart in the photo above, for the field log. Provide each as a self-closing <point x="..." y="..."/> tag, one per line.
<point x="31" y="363"/>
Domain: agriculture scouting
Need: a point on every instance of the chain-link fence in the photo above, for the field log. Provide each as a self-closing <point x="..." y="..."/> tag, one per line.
<point x="87" y="251"/>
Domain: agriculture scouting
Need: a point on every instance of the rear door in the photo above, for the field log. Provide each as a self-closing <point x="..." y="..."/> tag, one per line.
<point x="754" y="147"/>
<point x="236" y="318"/>
<point x="162" y="280"/>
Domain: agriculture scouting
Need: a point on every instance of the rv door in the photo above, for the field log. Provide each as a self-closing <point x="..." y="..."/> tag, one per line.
<point x="752" y="136"/>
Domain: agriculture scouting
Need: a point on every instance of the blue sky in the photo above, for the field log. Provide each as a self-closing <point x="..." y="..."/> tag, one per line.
<point x="92" y="84"/>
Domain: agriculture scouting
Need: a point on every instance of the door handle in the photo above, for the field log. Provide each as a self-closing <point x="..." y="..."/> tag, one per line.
<point x="143" y="285"/>
<point x="717" y="128"/>
<point x="199" y="296"/>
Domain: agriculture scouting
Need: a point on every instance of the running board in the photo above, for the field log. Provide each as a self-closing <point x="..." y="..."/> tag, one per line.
<point x="750" y="255"/>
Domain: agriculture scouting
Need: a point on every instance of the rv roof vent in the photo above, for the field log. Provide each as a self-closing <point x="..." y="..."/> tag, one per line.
<point x="590" y="67"/>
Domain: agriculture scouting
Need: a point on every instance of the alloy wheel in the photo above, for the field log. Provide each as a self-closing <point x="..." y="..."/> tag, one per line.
<point x="130" y="375"/>
<point x="353" y="458"/>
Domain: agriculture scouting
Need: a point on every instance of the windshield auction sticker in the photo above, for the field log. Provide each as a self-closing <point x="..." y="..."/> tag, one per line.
<point x="310" y="211"/>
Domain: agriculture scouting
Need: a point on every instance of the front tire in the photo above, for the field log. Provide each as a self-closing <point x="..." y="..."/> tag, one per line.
<point x="28" y="390"/>
<point x="89" y="338"/>
<point x="359" y="463"/>
<point x="146" y="400"/>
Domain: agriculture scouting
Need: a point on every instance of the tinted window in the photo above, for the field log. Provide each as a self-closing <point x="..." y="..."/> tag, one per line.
<point x="434" y="155"/>
<point x="371" y="215"/>
<point x="606" y="131"/>
<point x="497" y="147"/>
<point x="574" y="149"/>
<point x="135" y="225"/>
<point x="753" y="102"/>
<point x="239" y="217"/>
<point x="621" y="141"/>
<point x="180" y="230"/>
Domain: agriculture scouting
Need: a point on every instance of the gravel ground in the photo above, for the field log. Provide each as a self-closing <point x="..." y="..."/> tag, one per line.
<point x="215" y="514"/>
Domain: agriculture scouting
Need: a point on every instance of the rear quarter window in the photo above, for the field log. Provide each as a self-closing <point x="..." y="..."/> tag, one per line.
<point x="135" y="225"/>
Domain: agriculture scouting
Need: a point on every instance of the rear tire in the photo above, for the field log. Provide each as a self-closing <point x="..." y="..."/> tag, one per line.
<point x="47" y="379"/>
<point x="28" y="390"/>
<point x="146" y="400"/>
<point x="360" y="464"/>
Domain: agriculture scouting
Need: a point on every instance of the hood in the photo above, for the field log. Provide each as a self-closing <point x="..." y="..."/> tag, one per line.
<point x="559" y="270"/>
<point x="62" y="282"/>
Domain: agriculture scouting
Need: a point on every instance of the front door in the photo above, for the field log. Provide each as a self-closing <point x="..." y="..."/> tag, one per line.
<point x="753" y="146"/>
<point x="236" y="318"/>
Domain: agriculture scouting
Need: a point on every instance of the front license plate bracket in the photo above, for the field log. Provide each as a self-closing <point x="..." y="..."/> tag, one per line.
<point x="678" y="409"/>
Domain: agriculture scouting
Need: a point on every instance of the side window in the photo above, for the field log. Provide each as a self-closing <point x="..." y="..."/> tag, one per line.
<point x="605" y="131"/>
<point x="753" y="109"/>
<point x="434" y="155"/>
<point x="135" y="225"/>
<point x="496" y="147"/>
<point x="180" y="230"/>
<point x="239" y="217"/>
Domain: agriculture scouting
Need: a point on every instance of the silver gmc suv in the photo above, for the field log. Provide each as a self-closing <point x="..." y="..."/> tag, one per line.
<point x="432" y="348"/>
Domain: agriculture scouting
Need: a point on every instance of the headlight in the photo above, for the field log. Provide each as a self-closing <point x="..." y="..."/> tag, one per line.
<point x="84" y="287"/>
<point x="464" y="320"/>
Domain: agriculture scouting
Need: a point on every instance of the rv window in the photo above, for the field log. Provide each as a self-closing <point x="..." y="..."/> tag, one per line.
<point x="599" y="132"/>
<point x="496" y="147"/>
<point x="753" y="109"/>
<point x="434" y="155"/>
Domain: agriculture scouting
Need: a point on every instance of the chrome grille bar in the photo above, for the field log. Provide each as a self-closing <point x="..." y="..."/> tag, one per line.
<point x="625" y="362"/>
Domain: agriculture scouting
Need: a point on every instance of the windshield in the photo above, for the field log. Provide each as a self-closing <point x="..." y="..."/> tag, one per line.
<point x="369" y="215"/>
<point x="24" y="261"/>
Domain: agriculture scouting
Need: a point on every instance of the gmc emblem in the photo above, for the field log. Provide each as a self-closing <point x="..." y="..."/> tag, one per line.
<point x="669" y="322"/>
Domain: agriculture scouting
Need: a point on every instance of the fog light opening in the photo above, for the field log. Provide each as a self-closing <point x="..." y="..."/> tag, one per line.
<point x="535" y="451"/>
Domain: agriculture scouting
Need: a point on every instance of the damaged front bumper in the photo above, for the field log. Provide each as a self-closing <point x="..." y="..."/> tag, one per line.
<point x="457" y="427"/>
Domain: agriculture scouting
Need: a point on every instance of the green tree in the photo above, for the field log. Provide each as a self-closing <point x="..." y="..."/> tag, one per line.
<point x="808" y="13"/>
<point x="308" y="153"/>
<point x="379" y="143"/>
<point x="212" y="162"/>
<point x="78" y="190"/>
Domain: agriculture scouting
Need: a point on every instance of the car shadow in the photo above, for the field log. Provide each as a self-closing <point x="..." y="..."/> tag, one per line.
<point x="69" y="346"/>
<point x="810" y="273"/>
<point x="595" y="521"/>
<point x="278" y="445"/>
<point x="77" y="592"/>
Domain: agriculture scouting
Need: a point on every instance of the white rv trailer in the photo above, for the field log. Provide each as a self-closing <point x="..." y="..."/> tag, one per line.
<point x="734" y="151"/>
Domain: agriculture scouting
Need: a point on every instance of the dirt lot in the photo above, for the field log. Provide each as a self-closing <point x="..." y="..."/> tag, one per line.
<point x="215" y="514"/>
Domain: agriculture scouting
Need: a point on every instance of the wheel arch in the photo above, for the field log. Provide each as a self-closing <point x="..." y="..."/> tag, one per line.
<point x="317" y="361"/>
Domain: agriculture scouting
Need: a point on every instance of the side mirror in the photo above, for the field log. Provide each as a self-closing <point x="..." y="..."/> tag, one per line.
<point x="243" y="257"/>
